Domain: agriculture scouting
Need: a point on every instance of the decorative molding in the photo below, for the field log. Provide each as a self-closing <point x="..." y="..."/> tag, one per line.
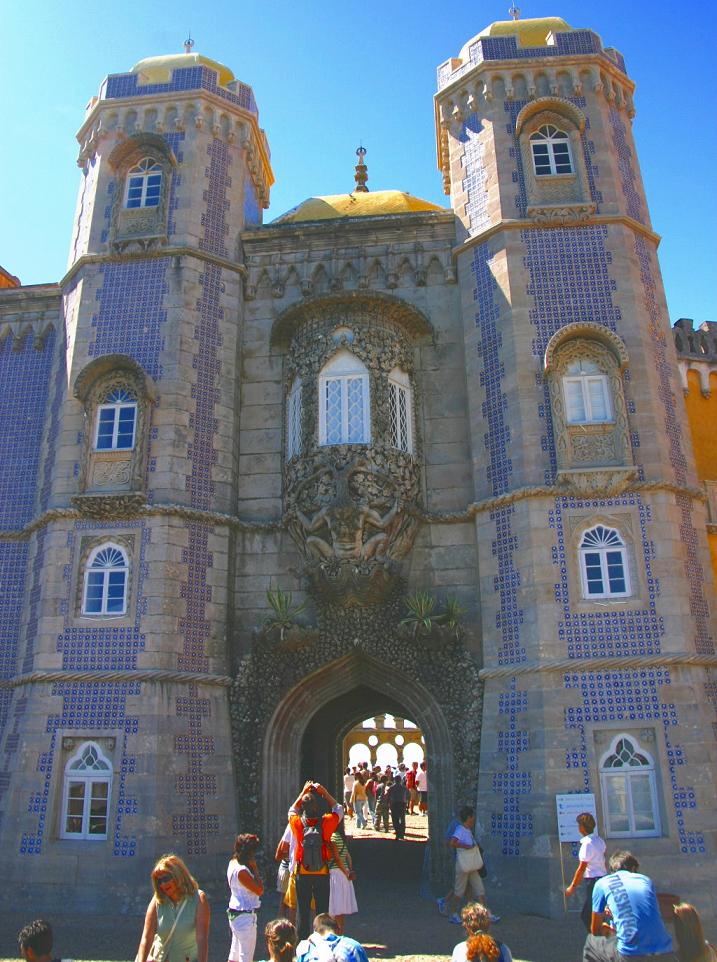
<point x="157" y="675"/>
<point x="561" y="214"/>
<point x="595" y="482"/>
<point x="219" y="519"/>
<point x="143" y="255"/>
<point x="580" y="665"/>
<point x="110" y="507"/>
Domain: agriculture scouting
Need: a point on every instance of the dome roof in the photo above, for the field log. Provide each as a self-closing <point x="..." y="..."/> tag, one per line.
<point x="158" y="70"/>
<point x="530" y="33"/>
<point x="378" y="203"/>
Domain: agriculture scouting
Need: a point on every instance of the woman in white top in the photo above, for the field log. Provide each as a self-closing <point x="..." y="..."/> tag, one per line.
<point x="246" y="887"/>
<point x="591" y="858"/>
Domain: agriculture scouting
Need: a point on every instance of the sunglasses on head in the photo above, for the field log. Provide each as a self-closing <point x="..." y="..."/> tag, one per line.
<point x="163" y="879"/>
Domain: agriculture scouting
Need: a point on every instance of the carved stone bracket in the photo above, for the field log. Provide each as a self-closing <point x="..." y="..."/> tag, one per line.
<point x="107" y="507"/>
<point x="560" y="214"/>
<point x="596" y="482"/>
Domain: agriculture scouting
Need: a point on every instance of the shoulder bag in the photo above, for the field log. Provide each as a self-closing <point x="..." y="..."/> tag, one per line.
<point x="158" y="951"/>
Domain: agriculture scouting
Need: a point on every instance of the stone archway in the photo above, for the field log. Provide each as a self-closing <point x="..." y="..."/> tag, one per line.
<point x="388" y="687"/>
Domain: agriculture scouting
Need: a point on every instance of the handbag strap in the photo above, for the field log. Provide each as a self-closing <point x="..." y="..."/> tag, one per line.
<point x="165" y="942"/>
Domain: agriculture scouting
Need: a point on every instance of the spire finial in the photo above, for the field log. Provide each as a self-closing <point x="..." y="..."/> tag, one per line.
<point x="361" y="175"/>
<point x="188" y="44"/>
<point x="514" y="11"/>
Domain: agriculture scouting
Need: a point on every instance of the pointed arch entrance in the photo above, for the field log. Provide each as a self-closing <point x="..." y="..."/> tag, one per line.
<point x="307" y="729"/>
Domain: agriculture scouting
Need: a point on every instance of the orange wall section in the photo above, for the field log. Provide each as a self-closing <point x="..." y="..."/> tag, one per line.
<point x="702" y="418"/>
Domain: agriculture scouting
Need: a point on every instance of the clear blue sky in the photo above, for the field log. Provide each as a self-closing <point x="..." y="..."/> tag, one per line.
<point x="327" y="75"/>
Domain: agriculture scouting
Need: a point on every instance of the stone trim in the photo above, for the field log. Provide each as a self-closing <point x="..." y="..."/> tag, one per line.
<point x="168" y="251"/>
<point x="279" y="524"/>
<point x="574" y="665"/>
<point x="158" y="675"/>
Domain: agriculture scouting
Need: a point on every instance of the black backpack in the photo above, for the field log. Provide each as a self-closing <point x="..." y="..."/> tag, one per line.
<point x="313" y="846"/>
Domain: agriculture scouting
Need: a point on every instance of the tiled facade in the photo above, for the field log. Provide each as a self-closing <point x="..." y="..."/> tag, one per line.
<point x="194" y="306"/>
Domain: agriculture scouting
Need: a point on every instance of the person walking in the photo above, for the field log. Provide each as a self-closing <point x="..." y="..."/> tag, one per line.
<point x="422" y="786"/>
<point x="246" y="889"/>
<point x="591" y="864"/>
<point x="397" y="805"/>
<point x="469" y="864"/>
<point x="371" y="797"/>
<point x="359" y="801"/>
<point x="176" y="923"/>
<point x="349" y="779"/>
<point x="382" y="804"/>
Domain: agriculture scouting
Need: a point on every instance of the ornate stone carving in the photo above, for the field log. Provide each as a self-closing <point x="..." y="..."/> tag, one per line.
<point x="592" y="448"/>
<point x="560" y="214"/>
<point x="107" y="507"/>
<point x="111" y="474"/>
<point x="596" y="482"/>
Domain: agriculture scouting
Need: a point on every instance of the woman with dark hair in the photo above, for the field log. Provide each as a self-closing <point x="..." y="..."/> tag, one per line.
<point x="479" y="946"/>
<point x="691" y="942"/>
<point x="591" y="864"/>
<point x="176" y="924"/>
<point x="342" y="898"/>
<point x="280" y="936"/>
<point x="246" y="888"/>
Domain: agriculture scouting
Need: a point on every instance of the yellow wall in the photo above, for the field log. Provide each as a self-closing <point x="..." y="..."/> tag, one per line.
<point x="702" y="417"/>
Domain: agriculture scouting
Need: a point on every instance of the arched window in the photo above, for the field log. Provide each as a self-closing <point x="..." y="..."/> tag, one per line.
<point x="293" y="420"/>
<point x="105" y="591"/>
<point x="627" y="777"/>
<point x="344" y="412"/>
<point x="401" y="413"/>
<point x="587" y="393"/>
<point x="603" y="563"/>
<point x="116" y="421"/>
<point x="86" y="794"/>
<point x="551" y="151"/>
<point x="144" y="184"/>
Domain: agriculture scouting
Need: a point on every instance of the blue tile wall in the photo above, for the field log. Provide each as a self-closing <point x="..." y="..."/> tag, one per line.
<point x="92" y="705"/>
<point x="24" y="386"/>
<point x="183" y="78"/>
<point x="252" y="210"/>
<point x="511" y="825"/>
<point x="569" y="271"/>
<point x="474" y="182"/>
<point x="131" y="312"/>
<point x="621" y="150"/>
<point x="13" y="564"/>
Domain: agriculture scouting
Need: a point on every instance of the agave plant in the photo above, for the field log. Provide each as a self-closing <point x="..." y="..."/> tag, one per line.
<point x="453" y="615"/>
<point x="283" y="612"/>
<point x="421" y="615"/>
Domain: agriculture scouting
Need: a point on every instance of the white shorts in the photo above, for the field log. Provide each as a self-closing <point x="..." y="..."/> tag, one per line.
<point x="466" y="881"/>
<point x="243" y="929"/>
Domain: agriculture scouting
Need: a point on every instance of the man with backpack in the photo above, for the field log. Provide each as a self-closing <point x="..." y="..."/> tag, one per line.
<point x="312" y="832"/>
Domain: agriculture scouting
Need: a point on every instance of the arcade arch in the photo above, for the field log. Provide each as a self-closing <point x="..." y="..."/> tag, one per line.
<point x="304" y="738"/>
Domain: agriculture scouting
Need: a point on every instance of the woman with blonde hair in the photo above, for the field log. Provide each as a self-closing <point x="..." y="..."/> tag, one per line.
<point x="176" y="924"/>
<point x="479" y="946"/>
<point x="690" y="936"/>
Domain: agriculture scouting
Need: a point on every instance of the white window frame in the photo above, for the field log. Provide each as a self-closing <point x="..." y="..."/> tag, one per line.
<point x="400" y="385"/>
<point x="628" y="774"/>
<point x="293" y="420"/>
<point x="88" y="778"/>
<point x="602" y="551"/>
<point x="550" y="135"/>
<point x="143" y="170"/>
<point x="106" y="571"/>
<point x="585" y="380"/>
<point x="344" y="367"/>
<point x="129" y="401"/>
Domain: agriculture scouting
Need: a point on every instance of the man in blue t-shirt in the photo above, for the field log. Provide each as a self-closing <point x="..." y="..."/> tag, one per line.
<point x="634" y="928"/>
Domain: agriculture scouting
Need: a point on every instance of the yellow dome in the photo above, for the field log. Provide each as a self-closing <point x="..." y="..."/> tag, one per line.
<point x="158" y="70"/>
<point x="376" y="203"/>
<point x="530" y="33"/>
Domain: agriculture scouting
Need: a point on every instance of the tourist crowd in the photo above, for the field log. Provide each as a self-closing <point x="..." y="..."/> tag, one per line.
<point x="315" y="878"/>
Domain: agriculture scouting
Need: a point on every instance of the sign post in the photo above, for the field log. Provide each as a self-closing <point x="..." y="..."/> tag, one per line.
<point x="568" y="808"/>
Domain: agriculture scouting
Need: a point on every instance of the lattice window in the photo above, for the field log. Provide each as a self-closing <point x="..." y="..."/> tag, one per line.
<point x="105" y="590"/>
<point x="551" y="151"/>
<point x="144" y="184"/>
<point x="293" y="421"/>
<point x="344" y="416"/>
<point x="603" y="563"/>
<point x="628" y="781"/>
<point x="86" y="794"/>
<point x="587" y="394"/>
<point x="400" y="411"/>
<point x="116" y="421"/>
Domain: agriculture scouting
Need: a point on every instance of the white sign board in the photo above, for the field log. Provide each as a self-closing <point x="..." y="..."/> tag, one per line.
<point x="569" y="807"/>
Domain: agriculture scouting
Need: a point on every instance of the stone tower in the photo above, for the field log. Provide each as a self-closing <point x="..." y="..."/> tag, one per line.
<point x="580" y="464"/>
<point x="141" y="421"/>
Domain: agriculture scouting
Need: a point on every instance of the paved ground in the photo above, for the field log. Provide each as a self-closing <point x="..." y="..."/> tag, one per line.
<point x="394" y="922"/>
